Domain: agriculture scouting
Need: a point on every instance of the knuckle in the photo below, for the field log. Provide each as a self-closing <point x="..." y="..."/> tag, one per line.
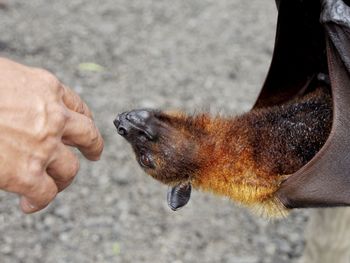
<point x="50" y="121"/>
<point x="58" y="116"/>
<point x="35" y="168"/>
<point x="48" y="77"/>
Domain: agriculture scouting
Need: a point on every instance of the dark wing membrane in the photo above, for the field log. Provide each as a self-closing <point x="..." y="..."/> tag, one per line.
<point x="325" y="180"/>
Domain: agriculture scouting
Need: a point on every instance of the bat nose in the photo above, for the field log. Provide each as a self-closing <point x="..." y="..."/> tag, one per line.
<point x="116" y="122"/>
<point x="126" y="122"/>
<point x="122" y="124"/>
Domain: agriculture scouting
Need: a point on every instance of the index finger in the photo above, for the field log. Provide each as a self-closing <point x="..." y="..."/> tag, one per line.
<point x="74" y="102"/>
<point x="81" y="132"/>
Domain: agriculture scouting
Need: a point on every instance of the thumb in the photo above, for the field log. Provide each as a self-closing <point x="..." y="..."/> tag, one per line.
<point x="26" y="206"/>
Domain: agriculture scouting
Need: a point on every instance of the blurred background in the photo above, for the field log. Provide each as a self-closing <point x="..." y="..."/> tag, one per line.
<point x="121" y="54"/>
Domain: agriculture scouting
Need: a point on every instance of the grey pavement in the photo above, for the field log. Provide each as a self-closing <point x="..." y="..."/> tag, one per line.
<point x="192" y="55"/>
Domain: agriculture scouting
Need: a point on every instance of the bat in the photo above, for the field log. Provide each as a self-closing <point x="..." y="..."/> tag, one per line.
<point x="245" y="157"/>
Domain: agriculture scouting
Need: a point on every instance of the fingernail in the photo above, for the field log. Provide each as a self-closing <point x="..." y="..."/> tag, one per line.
<point x="27" y="206"/>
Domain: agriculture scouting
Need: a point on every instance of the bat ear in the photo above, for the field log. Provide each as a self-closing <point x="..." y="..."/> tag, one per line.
<point x="179" y="195"/>
<point x="299" y="55"/>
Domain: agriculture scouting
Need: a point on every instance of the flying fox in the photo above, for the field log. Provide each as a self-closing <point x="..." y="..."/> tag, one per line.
<point x="245" y="157"/>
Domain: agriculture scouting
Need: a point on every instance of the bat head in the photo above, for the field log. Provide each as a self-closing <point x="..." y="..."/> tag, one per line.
<point x="165" y="147"/>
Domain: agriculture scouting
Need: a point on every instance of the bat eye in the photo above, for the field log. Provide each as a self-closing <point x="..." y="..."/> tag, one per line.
<point x="146" y="161"/>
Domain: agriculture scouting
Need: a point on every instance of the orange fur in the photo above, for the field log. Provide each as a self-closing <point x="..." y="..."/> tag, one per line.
<point x="244" y="158"/>
<point x="227" y="168"/>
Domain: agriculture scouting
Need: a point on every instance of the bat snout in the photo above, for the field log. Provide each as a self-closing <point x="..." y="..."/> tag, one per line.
<point x="123" y="128"/>
<point x="135" y="123"/>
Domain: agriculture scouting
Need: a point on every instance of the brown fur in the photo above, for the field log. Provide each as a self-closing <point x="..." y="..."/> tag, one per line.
<point x="247" y="157"/>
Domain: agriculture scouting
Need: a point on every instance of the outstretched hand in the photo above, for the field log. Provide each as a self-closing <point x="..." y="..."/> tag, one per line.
<point x="39" y="119"/>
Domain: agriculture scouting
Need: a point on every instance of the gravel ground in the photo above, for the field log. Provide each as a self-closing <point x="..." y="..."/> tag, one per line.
<point x="190" y="55"/>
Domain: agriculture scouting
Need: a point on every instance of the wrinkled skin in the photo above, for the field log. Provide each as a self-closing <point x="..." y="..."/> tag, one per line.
<point x="39" y="119"/>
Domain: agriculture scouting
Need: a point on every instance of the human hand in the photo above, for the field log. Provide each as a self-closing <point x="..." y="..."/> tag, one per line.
<point x="39" y="117"/>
